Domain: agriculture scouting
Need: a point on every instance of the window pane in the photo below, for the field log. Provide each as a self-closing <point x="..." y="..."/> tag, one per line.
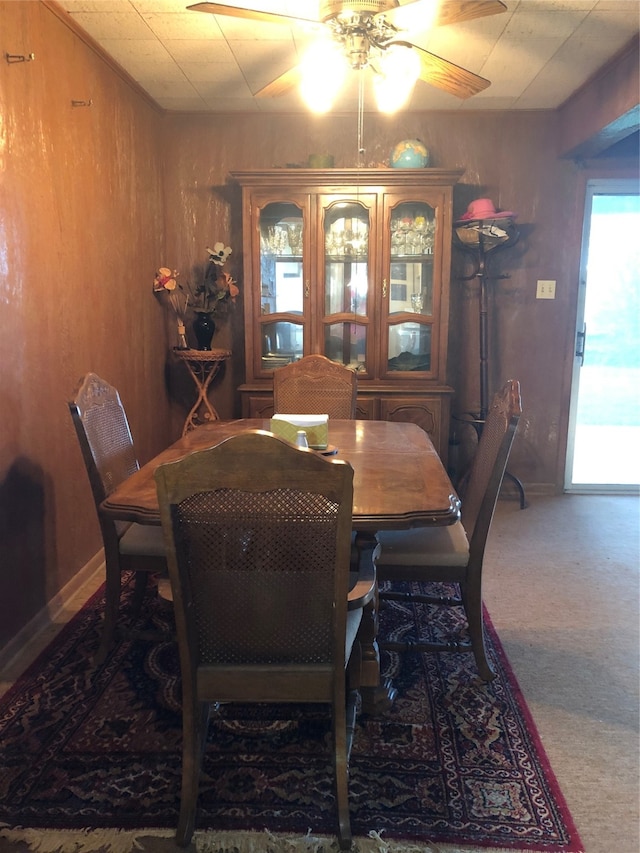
<point x="346" y="343"/>
<point x="281" y="286"/>
<point x="281" y="343"/>
<point x="411" y="287"/>
<point x="409" y="346"/>
<point x="346" y="288"/>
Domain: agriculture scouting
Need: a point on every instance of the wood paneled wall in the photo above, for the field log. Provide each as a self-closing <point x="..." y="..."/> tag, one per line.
<point x="81" y="233"/>
<point x="93" y="199"/>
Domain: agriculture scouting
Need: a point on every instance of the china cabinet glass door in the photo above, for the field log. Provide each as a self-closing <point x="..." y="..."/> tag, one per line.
<point x="345" y="310"/>
<point x="409" y="289"/>
<point x="354" y="264"/>
<point x="282" y="290"/>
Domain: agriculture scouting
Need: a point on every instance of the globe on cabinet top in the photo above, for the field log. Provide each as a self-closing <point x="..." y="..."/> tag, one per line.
<point x="409" y="154"/>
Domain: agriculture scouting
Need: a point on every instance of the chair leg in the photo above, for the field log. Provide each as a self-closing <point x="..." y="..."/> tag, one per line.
<point x="472" y="599"/>
<point x="341" y="765"/>
<point x="139" y="589"/>
<point x="111" y="609"/>
<point x="194" y="736"/>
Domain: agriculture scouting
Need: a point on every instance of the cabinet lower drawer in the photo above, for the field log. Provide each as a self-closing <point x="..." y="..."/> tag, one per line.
<point x="256" y="405"/>
<point x="430" y="411"/>
<point x="260" y="405"/>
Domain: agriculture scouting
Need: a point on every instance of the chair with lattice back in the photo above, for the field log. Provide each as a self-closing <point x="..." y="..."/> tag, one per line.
<point x="258" y="546"/>
<point x="315" y="385"/>
<point x="109" y="456"/>
<point x="455" y="554"/>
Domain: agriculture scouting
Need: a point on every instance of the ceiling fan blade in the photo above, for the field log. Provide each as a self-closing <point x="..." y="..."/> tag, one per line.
<point x="446" y="12"/>
<point x="248" y="14"/>
<point x="456" y="11"/>
<point x="281" y="85"/>
<point x="447" y="75"/>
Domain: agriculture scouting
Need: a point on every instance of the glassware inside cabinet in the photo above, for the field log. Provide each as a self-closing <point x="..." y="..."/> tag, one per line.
<point x="346" y="243"/>
<point x="413" y="228"/>
<point x="281" y="271"/>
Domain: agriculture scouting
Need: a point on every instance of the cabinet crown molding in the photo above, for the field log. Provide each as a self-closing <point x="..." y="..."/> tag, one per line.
<point x="339" y="177"/>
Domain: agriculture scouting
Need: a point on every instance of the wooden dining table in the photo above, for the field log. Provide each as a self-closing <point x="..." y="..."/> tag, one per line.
<point x="399" y="483"/>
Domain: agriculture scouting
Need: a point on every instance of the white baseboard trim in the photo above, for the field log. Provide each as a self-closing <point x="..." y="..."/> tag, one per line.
<point x="51" y="612"/>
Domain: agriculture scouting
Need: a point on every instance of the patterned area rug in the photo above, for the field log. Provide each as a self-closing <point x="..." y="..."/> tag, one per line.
<point x="455" y="762"/>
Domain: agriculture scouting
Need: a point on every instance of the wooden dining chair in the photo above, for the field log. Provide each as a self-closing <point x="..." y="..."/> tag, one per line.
<point x="109" y="456"/>
<point x="258" y="534"/>
<point x="315" y="385"/>
<point x="455" y="554"/>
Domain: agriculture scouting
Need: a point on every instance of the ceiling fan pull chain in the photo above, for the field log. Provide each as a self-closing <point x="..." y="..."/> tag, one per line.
<point x="360" y="160"/>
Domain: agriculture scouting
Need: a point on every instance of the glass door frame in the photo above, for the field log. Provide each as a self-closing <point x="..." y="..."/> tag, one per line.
<point x="393" y="202"/>
<point x="262" y="203"/>
<point x="329" y="205"/>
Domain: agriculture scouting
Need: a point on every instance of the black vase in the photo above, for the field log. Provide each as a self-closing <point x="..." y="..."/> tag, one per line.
<point x="203" y="328"/>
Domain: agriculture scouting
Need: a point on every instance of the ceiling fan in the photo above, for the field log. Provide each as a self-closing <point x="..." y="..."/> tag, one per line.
<point x="367" y="34"/>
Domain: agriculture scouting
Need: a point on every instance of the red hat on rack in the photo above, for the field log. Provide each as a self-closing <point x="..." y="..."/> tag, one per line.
<point x="483" y="208"/>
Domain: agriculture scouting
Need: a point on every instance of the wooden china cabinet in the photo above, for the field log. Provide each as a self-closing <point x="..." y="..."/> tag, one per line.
<point x="353" y="264"/>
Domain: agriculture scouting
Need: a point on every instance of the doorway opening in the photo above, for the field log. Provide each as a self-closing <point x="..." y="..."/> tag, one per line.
<point x="603" y="448"/>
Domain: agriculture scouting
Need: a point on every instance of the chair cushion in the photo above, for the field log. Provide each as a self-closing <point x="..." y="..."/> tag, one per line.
<point x="425" y="546"/>
<point x="144" y="540"/>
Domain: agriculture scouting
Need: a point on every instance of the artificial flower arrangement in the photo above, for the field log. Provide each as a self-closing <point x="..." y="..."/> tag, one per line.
<point x="212" y="296"/>
<point x="166" y="282"/>
<point x="218" y="288"/>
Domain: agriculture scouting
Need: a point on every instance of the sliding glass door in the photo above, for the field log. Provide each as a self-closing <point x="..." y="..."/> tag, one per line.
<point x="604" y="431"/>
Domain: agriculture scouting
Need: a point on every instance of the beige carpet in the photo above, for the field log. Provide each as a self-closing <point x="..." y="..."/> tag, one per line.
<point x="562" y="587"/>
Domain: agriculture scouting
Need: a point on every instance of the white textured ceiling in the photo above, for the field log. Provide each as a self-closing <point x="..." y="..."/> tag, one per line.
<point x="536" y="54"/>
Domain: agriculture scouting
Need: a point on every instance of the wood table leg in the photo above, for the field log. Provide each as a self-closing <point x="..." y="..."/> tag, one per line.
<point x="378" y="694"/>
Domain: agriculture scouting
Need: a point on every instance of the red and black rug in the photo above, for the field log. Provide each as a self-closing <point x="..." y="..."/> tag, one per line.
<point x="455" y="761"/>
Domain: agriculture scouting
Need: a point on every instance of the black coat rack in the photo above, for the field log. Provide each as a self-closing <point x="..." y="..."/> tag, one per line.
<point x="482" y="237"/>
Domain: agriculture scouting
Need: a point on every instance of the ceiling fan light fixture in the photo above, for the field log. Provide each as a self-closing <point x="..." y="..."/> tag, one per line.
<point x="356" y="48"/>
<point x="335" y="8"/>
<point x="323" y="71"/>
<point x="397" y="70"/>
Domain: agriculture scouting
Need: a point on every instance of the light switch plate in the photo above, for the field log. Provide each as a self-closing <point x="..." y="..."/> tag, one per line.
<point x="546" y="289"/>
